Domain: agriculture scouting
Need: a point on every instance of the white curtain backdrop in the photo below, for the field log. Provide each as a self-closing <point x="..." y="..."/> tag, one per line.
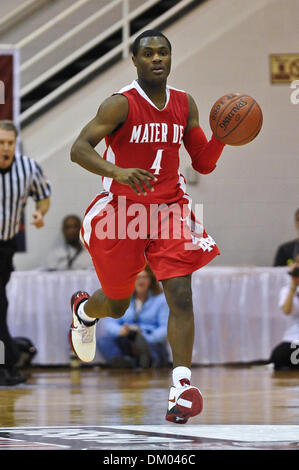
<point x="237" y="318"/>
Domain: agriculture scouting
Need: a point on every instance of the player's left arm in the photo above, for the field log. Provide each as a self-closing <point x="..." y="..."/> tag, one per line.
<point x="204" y="154"/>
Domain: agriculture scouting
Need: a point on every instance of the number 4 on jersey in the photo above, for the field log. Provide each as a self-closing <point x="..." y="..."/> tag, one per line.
<point x="157" y="162"/>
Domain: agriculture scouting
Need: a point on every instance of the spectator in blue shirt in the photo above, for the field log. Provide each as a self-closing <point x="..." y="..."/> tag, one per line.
<point x="139" y="338"/>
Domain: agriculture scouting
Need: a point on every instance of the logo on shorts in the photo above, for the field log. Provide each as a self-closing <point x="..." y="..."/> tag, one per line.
<point x="207" y="243"/>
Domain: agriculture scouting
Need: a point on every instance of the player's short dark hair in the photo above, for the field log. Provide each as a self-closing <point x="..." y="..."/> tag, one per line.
<point x="8" y="126"/>
<point x="147" y="34"/>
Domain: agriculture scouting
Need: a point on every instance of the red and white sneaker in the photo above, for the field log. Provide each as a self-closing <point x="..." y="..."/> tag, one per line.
<point x="183" y="403"/>
<point x="82" y="335"/>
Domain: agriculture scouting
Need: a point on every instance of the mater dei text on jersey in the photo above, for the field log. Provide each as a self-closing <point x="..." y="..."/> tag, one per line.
<point x="157" y="132"/>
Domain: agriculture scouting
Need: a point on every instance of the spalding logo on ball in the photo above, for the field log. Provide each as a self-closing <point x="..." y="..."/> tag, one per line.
<point x="236" y="119"/>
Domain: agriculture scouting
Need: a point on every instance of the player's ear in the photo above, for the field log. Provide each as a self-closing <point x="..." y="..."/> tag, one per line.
<point x="134" y="60"/>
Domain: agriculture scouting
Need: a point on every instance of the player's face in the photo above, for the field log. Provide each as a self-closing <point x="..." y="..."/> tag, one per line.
<point x="7" y="148"/>
<point x="153" y="60"/>
<point x="297" y="223"/>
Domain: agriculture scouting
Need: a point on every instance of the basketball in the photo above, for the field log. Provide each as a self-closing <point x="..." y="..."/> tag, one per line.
<point x="236" y="119"/>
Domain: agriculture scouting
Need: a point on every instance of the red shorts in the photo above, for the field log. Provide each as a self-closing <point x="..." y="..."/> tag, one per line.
<point x="122" y="235"/>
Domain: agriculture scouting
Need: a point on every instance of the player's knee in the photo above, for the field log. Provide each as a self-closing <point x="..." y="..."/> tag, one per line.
<point x="117" y="308"/>
<point x="182" y="305"/>
<point x="180" y="296"/>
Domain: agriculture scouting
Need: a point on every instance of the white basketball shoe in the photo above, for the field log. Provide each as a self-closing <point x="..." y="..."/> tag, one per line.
<point x="184" y="402"/>
<point x="82" y="334"/>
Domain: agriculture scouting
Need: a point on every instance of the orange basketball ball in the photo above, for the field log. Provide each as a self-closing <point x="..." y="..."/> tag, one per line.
<point x="236" y="119"/>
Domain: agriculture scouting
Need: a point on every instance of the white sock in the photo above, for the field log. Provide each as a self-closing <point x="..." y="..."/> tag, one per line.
<point x="82" y="314"/>
<point x="180" y="373"/>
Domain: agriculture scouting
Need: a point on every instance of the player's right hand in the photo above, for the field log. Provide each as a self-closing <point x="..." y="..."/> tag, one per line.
<point x="136" y="178"/>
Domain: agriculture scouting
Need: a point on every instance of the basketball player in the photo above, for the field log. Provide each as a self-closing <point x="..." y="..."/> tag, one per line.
<point x="144" y="125"/>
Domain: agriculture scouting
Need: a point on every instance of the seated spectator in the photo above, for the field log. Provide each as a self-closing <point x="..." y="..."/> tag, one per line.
<point x="286" y="354"/>
<point x="71" y="254"/>
<point x="287" y="252"/>
<point x="139" y="338"/>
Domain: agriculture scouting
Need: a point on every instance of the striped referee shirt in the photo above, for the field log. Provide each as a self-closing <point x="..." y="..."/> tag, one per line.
<point x="24" y="178"/>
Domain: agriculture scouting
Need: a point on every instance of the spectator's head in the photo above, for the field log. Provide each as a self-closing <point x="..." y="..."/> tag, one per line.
<point x="71" y="229"/>
<point x="146" y="281"/>
<point x="8" y="140"/>
<point x="297" y="221"/>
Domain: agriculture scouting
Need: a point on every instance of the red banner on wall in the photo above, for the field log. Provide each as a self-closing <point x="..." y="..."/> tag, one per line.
<point x="10" y="106"/>
<point x="7" y="87"/>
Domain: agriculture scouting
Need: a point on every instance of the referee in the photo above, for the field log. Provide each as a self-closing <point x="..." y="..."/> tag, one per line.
<point x="20" y="177"/>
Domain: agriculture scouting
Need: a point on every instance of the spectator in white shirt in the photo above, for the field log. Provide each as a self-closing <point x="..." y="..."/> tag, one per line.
<point x="71" y="254"/>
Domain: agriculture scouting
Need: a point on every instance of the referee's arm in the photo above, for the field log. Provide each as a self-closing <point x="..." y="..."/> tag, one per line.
<point x="40" y="191"/>
<point x="41" y="208"/>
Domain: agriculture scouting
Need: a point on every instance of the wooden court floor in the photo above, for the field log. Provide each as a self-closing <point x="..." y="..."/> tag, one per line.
<point x="101" y="397"/>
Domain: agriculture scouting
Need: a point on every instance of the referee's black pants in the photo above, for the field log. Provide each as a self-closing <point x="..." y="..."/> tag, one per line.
<point x="7" y="250"/>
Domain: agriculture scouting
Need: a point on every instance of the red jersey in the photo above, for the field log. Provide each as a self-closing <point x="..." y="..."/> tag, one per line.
<point x="150" y="139"/>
